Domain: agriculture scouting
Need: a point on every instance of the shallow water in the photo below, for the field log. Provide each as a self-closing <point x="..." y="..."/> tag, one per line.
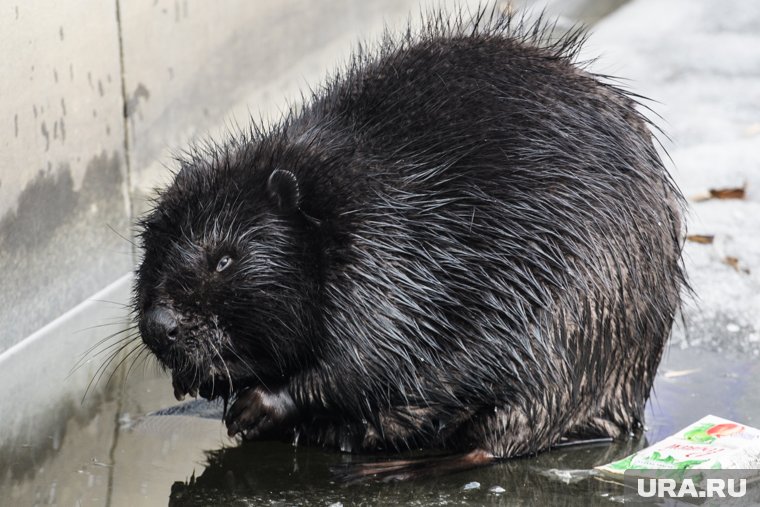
<point x="122" y="457"/>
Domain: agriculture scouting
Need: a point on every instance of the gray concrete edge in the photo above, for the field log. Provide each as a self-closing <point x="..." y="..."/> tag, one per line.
<point x="46" y="375"/>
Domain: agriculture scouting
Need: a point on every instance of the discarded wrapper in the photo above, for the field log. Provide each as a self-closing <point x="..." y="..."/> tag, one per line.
<point x="710" y="443"/>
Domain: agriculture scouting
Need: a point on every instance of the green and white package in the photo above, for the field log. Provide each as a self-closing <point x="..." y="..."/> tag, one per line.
<point x="710" y="443"/>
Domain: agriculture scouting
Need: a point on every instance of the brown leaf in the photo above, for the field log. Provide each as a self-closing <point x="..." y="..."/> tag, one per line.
<point x="722" y="193"/>
<point x="704" y="239"/>
<point x="734" y="263"/>
<point x="729" y="193"/>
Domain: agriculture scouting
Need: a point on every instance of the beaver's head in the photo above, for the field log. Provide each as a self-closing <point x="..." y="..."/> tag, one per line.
<point x="221" y="295"/>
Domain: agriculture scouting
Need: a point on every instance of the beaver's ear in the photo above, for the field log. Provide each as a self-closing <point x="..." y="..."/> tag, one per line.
<point x="283" y="189"/>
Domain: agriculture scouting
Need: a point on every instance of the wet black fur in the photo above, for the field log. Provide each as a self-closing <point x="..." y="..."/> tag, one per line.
<point x="480" y="249"/>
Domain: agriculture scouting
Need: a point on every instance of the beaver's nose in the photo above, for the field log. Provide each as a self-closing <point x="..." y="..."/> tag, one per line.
<point x="159" y="328"/>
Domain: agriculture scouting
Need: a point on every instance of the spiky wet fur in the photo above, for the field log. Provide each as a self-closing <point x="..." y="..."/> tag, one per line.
<point x="485" y="255"/>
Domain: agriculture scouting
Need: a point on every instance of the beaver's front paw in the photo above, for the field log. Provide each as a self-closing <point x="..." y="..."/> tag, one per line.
<point x="259" y="413"/>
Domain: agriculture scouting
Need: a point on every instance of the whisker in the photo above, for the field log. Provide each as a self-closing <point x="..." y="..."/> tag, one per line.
<point x="142" y="354"/>
<point x="248" y="367"/>
<point x="120" y="304"/>
<point x="117" y="321"/>
<point x="224" y="363"/>
<point x="122" y="236"/>
<point x="124" y="359"/>
<point x="103" y="367"/>
<point x="91" y="352"/>
<point x="110" y="336"/>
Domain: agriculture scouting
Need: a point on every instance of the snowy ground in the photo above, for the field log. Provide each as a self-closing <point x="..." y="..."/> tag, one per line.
<point x="700" y="60"/>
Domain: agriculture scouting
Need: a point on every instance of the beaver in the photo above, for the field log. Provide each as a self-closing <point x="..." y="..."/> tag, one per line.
<point x="464" y="241"/>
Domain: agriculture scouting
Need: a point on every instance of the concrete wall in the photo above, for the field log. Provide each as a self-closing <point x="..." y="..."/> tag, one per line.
<point x="63" y="193"/>
<point x="218" y="66"/>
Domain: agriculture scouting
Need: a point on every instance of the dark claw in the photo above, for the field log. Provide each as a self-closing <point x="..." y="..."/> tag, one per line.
<point x="179" y="389"/>
<point x="258" y="413"/>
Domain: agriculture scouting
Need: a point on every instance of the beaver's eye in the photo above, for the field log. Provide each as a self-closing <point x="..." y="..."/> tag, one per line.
<point x="224" y="263"/>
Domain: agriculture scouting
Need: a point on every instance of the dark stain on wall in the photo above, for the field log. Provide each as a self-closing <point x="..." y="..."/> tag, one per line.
<point x="43" y="206"/>
<point x="141" y="92"/>
<point x="49" y="201"/>
<point x="102" y="179"/>
<point x="61" y="243"/>
<point x="46" y="135"/>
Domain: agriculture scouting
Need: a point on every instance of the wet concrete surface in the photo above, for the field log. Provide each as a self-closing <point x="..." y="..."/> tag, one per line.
<point x="127" y="457"/>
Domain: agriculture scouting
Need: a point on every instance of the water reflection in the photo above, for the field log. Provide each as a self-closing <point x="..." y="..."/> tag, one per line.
<point x="273" y="473"/>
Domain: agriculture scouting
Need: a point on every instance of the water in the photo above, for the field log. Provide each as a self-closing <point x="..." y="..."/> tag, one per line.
<point x="121" y="457"/>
